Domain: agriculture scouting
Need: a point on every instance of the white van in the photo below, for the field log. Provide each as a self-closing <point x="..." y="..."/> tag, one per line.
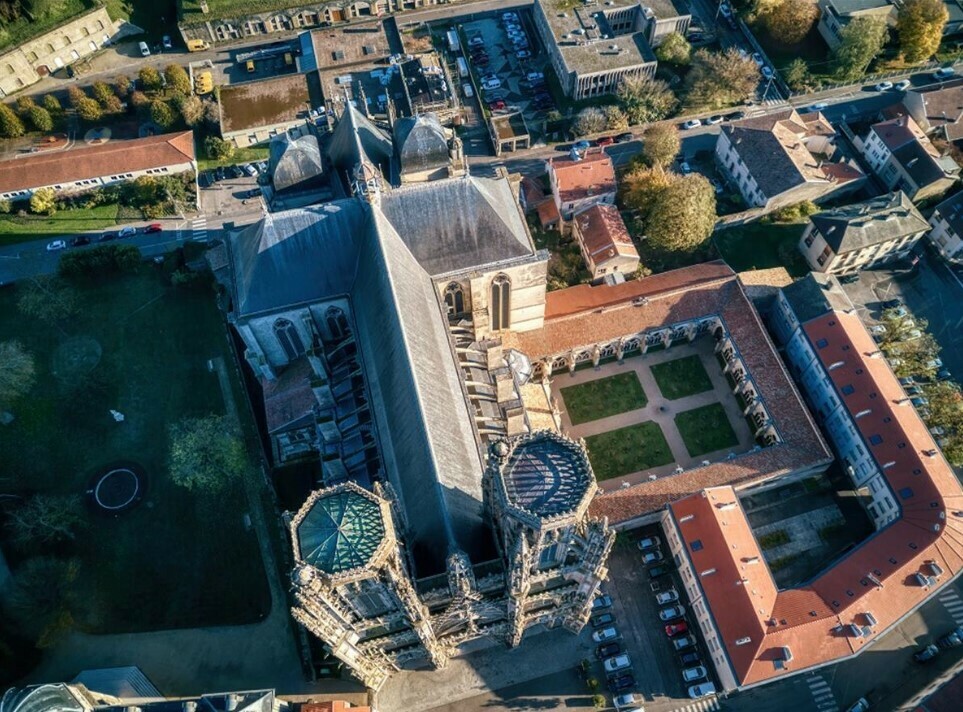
<point x="144" y="49"/>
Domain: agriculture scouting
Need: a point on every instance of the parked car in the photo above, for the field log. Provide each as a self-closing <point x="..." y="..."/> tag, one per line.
<point x="883" y="86"/>
<point x="694" y="673"/>
<point x="581" y="145"/>
<point x="220" y="173"/>
<point x="603" y="619"/>
<point x="623" y="137"/>
<point x="767" y="72"/>
<point x="153" y="227"/>
<point x="648" y="543"/>
<point x="627" y="700"/>
<point x="943" y="375"/>
<point x="619" y="662"/>
<point x="819" y="106"/>
<point x="757" y="58"/>
<point x="204" y="179"/>
<point x="523" y="54"/>
<point x="605" y="635"/>
<point x="684" y="642"/>
<point x="685" y="168"/>
<point x="891" y="303"/>
<point x="674" y="629"/>
<point x="249" y="169"/>
<point x="490" y="84"/>
<point x="716" y="119"/>
<point x="667" y="597"/>
<point x="600" y="603"/>
<point x="622" y="682"/>
<point x="652" y="557"/>
<point x="860" y="705"/>
<point x="691" y="658"/>
<point x="144" y="49"/>
<point x="877" y="329"/>
<point x="107" y="237"/>
<point x="496" y="105"/>
<point x="944" y="73"/>
<point x="476" y="41"/>
<point x="672" y="612"/>
<point x="166" y="42"/>
<point x="657" y="571"/>
<point x="716" y="186"/>
<point x="56" y="245"/>
<point x="703" y="689"/>
<point x="608" y="650"/>
<point x="80" y="241"/>
<point x="953" y="639"/>
<point x="605" y="141"/>
<point x="903" y="85"/>
<point x="128" y="231"/>
<point x="691" y="124"/>
<point x="924" y="655"/>
<point x="935" y="363"/>
<point x="235" y="171"/>
<point x="736" y="115"/>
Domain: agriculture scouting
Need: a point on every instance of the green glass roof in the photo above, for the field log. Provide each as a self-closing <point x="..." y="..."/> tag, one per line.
<point x="341" y="532"/>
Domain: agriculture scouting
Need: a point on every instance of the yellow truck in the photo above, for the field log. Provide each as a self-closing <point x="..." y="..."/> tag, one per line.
<point x="197" y="45"/>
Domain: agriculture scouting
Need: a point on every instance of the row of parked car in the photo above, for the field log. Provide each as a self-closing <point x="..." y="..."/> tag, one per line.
<point x="953" y="639"/>
<point x="672" y="614"/>
<point x="81" y="240"/>
<point x="208" y="178"/>
<point x="615" y="661"/>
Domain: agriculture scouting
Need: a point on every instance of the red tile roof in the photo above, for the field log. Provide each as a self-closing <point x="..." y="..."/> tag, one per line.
<point x="332" y="706"/>
<point x="594" y="174"/>
<point x="878" y="577"/>
<point x="604" y="234"/>
<point x="36" y="170"/>
<point x="548" y="213"/>
<point x="583" y="315"/>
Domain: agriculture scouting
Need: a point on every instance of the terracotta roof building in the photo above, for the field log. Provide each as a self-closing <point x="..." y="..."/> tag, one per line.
<point x="89" y="167"/>
<point x="579" y="183"/>
<point x="604" y="241"/>
<point x="758" y="633"/>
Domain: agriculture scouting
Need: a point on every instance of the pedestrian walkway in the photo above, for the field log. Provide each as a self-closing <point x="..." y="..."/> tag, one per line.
<point x="199" y="229"/>
<point x="954" y="604"/>
<point x="705" y="705"/>
<point x="822" y="694"/>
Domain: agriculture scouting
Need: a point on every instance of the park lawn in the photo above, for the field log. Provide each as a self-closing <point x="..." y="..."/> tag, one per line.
<point x="62" y="223"/>
<point x="706" y="429"/>
<point x="179" y="559"/>
<point x="251" y="154"/>
<point x="762" y="246"/>
<point x="632" y="449"/>
<point x="604" y="397"/>
<point x="681" y="377"/>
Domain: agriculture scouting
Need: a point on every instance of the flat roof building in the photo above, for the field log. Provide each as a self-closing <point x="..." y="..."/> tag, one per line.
<point x="255" y="112"/>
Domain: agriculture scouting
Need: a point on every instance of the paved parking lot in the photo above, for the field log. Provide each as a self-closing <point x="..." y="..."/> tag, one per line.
<point x="229" y="197"/>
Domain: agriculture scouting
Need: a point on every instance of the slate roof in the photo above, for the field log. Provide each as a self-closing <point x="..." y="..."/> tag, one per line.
<point x="815" y="294"/>
<point x="853" y="227"/>
<point x="951" y="210"/>
<point x="294" y="162"/>
<point x="458" y="223"/>
<point x="421" y="143"/>
<point x="846" y="7"/>
<point x="921" y="165"/>
<point x="355" y="138"/>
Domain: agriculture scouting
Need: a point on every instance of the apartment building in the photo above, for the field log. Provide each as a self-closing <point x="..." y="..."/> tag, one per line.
<point x="947" y="233"/>
<point x="581" y="181"/>
<point x="834" y="15"/>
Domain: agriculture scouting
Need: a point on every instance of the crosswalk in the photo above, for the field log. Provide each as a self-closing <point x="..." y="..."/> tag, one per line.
<point x="954" y="604"/>
<point x="708" y="704"/>
<point x="199" y="229"/>
<point x="822" y="694"/>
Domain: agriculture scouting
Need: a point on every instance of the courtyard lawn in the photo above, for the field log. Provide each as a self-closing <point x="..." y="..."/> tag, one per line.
<point x="762" y="246"/>
<point x="604" y="397"/>
<point x="706" y="429"/>
<point x="14" y="228"/>
<point x="681" y="377"/>
<point x="180" y="558"/>
<point x="626" y="450"/>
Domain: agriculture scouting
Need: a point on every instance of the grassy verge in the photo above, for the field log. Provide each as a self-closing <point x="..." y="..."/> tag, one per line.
<point x="706" y="429"/>
<point x="761" y="246"/>
<point x="626" y="450"/>
<point x="681" y="377"/>
<point x="604" y="397"/>
<point x="64" y="222"/>
<point x="180" y="558"/>
<point x="252" y="154"/>
<point x="25" y="28"/>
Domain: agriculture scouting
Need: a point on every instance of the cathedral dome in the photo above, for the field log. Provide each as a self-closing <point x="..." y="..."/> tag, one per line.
<point x="546" y="474"/>
<point x="294" y="161"/>
<point x="421" y="143"/>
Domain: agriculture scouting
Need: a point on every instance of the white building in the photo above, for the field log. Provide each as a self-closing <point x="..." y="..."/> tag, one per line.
<point x="947" y="233"/>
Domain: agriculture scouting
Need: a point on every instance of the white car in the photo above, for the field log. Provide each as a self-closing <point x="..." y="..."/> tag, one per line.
<point x="510" y="17"/>
<point x="685" y="168"/>
<point x="671" y="613"/>
<point x="56" y="245"/>
<point x="648" y="543"/>
<point x="819" y="107"/>
<point x="877" y="329"/>
<point x="667" y="597"/>
<point x="903" y="85"/>
<point x="652" y="557"/>
<point x="883" y="86"/>
<point x="702" y="690"/>
<point x="944" y="73"/>
<point x="490" y="84"/>
<point x="605" y="635"/>
<point x="627" y="700"/>
<point x="691" y="124"/>
<point x="523" y="54"/>
<point x="476" y="41"/>
<point x="619" y="662"/>
<point x="686" y="641"/>
<point x="716" y="119"/>
<point x="767" y="72"/>
<point x="694" y="673"/>
<point x="128" y="231"/>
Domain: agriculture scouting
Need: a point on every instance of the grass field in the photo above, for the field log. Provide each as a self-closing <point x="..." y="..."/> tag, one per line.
<point x="25" y="28"/>
<point x="179" y="559"/>
<point x="241" y="155"/>
<point x="626" y="450"/>
<point x="681" y="377"/>
<point x="761" y="246"/>
<point x="604" y="397"/>
<point x="706" y="429"/>
<point x="62" y="223"/>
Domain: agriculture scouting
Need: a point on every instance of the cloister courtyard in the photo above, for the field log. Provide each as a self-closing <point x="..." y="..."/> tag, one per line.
<point x="653" y="413"/>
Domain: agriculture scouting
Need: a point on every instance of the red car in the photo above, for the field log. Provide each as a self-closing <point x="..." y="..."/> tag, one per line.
<point x="153" y="227"/>
<point x="605" y="141"/>
<point x="496" y="105"/>
<point x="674" y="629"/>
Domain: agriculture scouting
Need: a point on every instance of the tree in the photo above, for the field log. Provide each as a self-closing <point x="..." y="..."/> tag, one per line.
<point x="89" y="110"/>
<point x="920" y="28"/>
<point x="212" y="114"/>
<point x="122" y="85"/>
<point x="113" y="105"/>
<point x="47" y="299"/>
<point x="675" y="49"/>
<point x="789" y="21"/>
<point x="102" y="92"/>
<point x="10" y="124"/>
<point x="75" y="95"/>
<point x="177" y="79"/>
<point x="191" y="109"/>
<point x="43" y="201"/>
<point x="139" y="100"/>
<point x="47" y="519"/>
<point x="218" y="149"/>
<point x="861" y="40"/>
<point x="24" y="104"/>
<point x="660" y="145"/>
<point x="52" y="104"/>
<point x="645" y="99"/>
<point x="150" y="78"/>
<point x="796" y="74"/>
<point x="40" y="118"/>
<point x="682" y="215"/>
<point x="615" y="118"/>
<point x="17" y="372"/>
<point x="590" y="120"/>
<point x="205" y="452"/>
<point x="641" y="185"/>
<point x="719" y="79"/>
<point x="43" y="597"/>
<point x="161" y="114"/>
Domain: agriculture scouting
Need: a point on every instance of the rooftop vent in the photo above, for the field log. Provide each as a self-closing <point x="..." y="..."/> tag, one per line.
<point x="924" y="580"/>
<point x="870" y="619"/>
<point x="744" y="641"/>
<point x="935" y="568"/>
<point x="686" y="518"/>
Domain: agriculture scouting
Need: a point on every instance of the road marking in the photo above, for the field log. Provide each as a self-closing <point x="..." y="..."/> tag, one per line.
<point x="709" y="704"/>
<point x="822" y="694"/>
<point x="954" y="604"/>
<point x="199" y="229"/>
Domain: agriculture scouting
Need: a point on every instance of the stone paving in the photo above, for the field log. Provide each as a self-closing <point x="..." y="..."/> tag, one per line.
<point x="659" y="409"/>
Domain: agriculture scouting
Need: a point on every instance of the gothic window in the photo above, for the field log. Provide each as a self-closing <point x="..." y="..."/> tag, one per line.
<point x="337" y="323"/>
<point x="289" y="338"/>
<point x="500" y="304"/>
<point x="454" y="299"/>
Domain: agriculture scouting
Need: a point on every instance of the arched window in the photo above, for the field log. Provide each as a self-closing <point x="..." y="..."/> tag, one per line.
<point x="500" y="304"/>
<point x="454" y="299"/>
<point x="50" y="48"/>
<point x="337" y="323"/>
<point x="289" y="338"/>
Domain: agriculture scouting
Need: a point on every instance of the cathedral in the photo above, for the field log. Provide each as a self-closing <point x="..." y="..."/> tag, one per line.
<point x="446" y="517"/>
